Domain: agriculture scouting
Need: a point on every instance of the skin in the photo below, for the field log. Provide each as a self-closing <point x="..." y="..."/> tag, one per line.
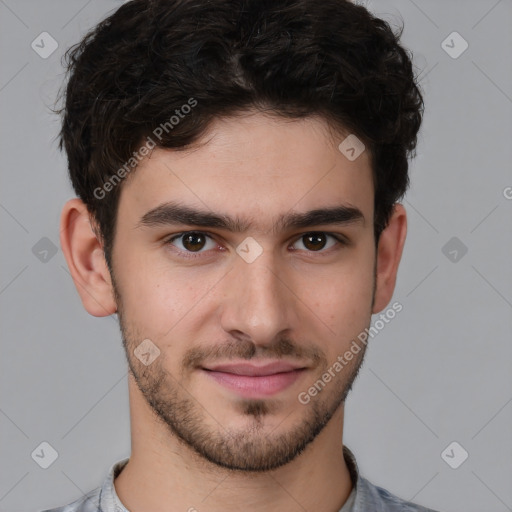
<point x="219" y="307"/>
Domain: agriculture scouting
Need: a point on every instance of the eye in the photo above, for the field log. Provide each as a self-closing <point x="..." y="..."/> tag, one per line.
<point x="316" y="241"/>
<point x="192" y="242"/>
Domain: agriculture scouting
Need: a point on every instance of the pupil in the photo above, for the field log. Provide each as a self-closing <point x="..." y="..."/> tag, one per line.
<point x="189" y="243"/>
<point x="315" y="238"/>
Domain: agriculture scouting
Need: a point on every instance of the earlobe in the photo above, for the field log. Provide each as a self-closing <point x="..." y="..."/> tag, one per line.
<point x="389" y="253"/>
<point x="85" y="259"/>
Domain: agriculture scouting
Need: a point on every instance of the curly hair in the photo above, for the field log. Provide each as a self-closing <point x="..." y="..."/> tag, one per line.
<point x="296" y="58"/>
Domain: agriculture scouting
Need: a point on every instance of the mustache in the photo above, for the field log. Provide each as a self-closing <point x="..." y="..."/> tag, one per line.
<point x="246" y="349"/>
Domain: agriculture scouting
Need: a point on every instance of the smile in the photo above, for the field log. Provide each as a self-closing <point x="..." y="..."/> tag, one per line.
<point x="253" y="381"/>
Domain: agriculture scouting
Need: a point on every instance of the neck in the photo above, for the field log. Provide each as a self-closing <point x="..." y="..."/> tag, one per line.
<point x="165" y="475"/>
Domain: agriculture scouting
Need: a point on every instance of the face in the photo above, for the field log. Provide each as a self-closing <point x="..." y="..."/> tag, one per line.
<point x="248" y="305"/>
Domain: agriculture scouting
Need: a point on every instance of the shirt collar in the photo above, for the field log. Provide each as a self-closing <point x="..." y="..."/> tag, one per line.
<point x="110" y="502"/>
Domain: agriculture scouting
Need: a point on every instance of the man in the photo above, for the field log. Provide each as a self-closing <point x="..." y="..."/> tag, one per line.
<point x="238" y="167"/>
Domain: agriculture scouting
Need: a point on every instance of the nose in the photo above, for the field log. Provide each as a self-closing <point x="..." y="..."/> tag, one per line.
<point x="258" y="300"/>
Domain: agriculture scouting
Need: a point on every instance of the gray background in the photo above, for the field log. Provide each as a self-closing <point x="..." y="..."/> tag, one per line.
<point x="441" y="371"/>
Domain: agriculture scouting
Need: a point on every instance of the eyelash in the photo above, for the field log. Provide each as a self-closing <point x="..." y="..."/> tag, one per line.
<point x="191" y="255"/>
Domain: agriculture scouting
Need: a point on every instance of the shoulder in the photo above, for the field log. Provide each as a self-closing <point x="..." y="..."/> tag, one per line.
<point x="379" y="499"/>
<point x="87" y="503"/>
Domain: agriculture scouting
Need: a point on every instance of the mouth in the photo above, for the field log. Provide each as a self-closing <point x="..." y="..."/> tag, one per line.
<point x="255" y="381"/>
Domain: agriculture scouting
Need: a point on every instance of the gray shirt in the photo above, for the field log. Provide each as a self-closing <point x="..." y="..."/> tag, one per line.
<point x="365" y="497"/>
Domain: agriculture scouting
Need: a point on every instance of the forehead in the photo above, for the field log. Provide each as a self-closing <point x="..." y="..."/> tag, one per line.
<point x="256" y="165"/>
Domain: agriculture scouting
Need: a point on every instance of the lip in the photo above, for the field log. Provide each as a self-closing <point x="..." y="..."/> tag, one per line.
<point x="255" y="381"/>
<point x="255" y="370"/>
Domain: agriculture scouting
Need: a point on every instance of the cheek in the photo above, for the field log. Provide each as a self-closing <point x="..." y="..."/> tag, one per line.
<point x="161" y="300"/>
<point x="344" y="303"/>
<point x="342" y="298"/>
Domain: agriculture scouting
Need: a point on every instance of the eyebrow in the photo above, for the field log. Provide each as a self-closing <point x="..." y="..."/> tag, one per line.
<point x="172" y="213"/>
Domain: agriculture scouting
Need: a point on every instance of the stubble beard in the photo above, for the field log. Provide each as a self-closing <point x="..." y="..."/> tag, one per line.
<point x="250" y="449"/>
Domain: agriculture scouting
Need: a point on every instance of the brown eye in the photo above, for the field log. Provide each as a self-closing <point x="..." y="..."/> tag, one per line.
<point x="191" y="242"/>
<point x="317" y="241"/>
<point x="314" y="241"/>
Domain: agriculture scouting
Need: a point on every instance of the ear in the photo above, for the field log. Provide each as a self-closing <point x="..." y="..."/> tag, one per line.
<point x="85" y="258"/>
<point x="389" y="252"/>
